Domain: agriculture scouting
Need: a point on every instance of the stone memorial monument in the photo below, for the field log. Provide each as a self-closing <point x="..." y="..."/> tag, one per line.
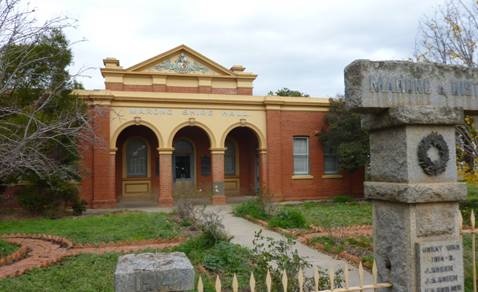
<point x="411" y="110"/>
<point x="148" y="272"/>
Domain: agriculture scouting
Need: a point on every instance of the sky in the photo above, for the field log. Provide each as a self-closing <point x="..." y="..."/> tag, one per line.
<point x="299" y="44"/>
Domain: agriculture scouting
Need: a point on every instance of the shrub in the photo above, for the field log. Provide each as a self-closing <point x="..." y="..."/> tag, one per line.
<point x="50" y="196"/>
<point x="228" y="258"/>
<point x="277" y="256"/>
<point x="342" y="199"/>
<point x="254" y="208"/>
<point x="288" y="218"/>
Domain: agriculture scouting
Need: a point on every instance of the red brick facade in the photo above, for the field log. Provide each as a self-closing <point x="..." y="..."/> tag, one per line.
<point x="220" y="109"/>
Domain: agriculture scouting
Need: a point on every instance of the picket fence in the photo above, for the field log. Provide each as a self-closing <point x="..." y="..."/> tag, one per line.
<point x="301" y="279"/>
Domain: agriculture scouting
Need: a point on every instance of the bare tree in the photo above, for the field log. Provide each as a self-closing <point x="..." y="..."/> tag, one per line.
<point x="41" y="123"/>
<point x="450" y="36"/>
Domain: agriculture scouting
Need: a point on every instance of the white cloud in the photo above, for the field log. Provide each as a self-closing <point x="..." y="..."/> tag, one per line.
<point x="299" y="44"/>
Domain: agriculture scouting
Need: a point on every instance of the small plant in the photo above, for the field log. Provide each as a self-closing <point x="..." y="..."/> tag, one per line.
<point x="50" y="196"/>
<point x="254" y="208"/>
<point x="277" y="256"/>
<point x="210" y="224"/>
<point x="78" y="207"/>
<point x="288" y="218"/>
<point x="342" y="199"/>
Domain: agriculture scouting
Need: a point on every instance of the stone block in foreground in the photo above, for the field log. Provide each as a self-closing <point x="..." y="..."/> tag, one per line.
<point x="154" y="272"/>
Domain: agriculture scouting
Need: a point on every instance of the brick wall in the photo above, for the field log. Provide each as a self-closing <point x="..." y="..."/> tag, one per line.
<point x="281" y="128"/>
<point x="179" y="89"/>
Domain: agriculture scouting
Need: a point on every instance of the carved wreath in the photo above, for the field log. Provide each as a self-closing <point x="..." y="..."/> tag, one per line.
<point x="429" y="166"/>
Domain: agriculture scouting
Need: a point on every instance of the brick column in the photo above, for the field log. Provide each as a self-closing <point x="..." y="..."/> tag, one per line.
<point x="217" y="161"/>
<point x="274" y="151"/>
<point x="263" y="171"/>
<point x="104" y="161"/>
<point x="165" y="198"/>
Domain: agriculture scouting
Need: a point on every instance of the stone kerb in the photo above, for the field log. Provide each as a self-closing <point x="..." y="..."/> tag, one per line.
<point x="411" y="111"/>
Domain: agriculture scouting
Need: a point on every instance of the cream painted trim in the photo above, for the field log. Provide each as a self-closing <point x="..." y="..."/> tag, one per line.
<point x="165" y="151"/>
<point x="206" y="98"/>
<point x="171" y="52"/>
<point x="194" y="123"/>
<point x="332" y="176"/>
<point x="260" y="136"/>
<point x="298" y="177"/>
<point x="141" y="122"/>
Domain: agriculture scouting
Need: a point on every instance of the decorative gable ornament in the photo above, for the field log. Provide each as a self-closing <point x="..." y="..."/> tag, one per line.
<point x="183" y="64"/>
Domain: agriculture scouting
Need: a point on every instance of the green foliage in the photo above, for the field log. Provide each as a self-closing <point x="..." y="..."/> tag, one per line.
<point x="288" y="218"/>
<point x="342" y="199"/>
<point x="360" y="246"/>
<point x="222" y="258"/>
<point x="87" y="272"/>
<point x="344" y="133"/>
<point x="98" y="228"/>
<point x="277" y="256"/>
<point x="7" y="248"/>
<point x="288" y="92"/>
<point x="41" y="122"/>
<point x="228" y="258"/>
<point x="253" y="208"/>
<point x="329" y="214"/>
<point x="48" y="196"/>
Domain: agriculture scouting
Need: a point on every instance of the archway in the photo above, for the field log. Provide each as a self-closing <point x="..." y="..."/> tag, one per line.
<point x="241" y="162"/>
<point x="137" y="167"/>
<point x="191" y="163"/>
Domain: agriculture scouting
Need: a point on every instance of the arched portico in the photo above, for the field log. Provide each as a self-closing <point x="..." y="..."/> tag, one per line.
<point x="137" y="169"/>
<point x="244" y="160"/>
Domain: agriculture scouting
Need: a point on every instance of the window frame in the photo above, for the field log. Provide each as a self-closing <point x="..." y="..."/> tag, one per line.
<point x="127" y="161"/>
<point x="306" y="155"/>
<point x="235" y="157"/>
<point x="327" y="153"/>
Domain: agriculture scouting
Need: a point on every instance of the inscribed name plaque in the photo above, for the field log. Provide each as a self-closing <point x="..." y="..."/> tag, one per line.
<point x="440" y="266"/>
<point x="375" y="85"/>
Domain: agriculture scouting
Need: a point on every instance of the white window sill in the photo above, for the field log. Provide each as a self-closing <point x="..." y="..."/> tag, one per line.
<point x="302" y="176"/>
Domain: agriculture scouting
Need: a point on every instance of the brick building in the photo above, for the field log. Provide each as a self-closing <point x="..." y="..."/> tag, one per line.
<point x="181" y="120"/>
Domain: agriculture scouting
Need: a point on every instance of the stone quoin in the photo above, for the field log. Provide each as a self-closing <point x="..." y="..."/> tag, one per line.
<point x="181" y="121"/>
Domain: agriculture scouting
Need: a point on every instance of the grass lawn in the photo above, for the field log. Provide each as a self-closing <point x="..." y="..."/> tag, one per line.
<point x="90" y="272"/>
<point x="322" y="214"/>
<point x="99" y="228"/>
<point x="86" y="272"/>
<point x="7" y="248"/>
<point x="330" y="214"/>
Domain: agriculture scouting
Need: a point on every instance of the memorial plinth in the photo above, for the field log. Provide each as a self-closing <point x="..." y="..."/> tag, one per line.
<point x="411" y="111"/>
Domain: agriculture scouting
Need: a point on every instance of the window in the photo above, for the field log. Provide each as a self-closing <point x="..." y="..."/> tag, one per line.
<point x="230" y="158"/>
<point x="136" y="158"/>
<point x="331" y="162"/>
<point x="301" y="155"/>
